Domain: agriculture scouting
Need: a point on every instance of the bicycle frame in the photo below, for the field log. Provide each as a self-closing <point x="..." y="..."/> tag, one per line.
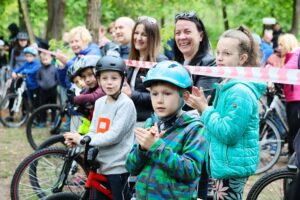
<point x="94" y="180"/>
<point x="17" y="104"/>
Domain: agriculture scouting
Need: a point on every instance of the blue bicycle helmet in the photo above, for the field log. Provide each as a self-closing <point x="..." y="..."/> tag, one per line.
<point x="171" y="72"/>
<point x="30" y="50"/>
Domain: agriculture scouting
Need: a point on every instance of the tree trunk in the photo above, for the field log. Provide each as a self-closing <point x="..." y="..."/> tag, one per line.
<point x="296" y="14"/>
<point x="93" y="18"/>
<point x="22" y="26"/>
<point x="56" y="13"/>
<point x="27" y="21"/>
<point x="225" y="17"/>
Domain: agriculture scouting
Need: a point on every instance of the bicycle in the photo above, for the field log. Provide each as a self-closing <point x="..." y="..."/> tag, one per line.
<point x="272" y="133"/>
<point x="5" y="81"/>
<point x="15" y="109"/>
<point x="53" y="117"/>
<point x="45" y="169"/>
<point x="94" y="180"/>
<point x="273" y="185"/>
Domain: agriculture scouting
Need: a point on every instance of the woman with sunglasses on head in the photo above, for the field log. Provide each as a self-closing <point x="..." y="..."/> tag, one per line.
<point x="192" y="47"/>
<point x="145" y="46"/>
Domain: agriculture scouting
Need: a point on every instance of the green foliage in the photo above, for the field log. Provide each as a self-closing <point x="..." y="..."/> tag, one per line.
<point x="8" y="14"/>
<point x="75" y="13"/>
<point x="58" y="45"/>
<point x="239" y="12"/>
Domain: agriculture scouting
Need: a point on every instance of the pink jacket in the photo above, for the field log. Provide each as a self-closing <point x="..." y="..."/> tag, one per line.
<point x="89" y="96"/>
<point x="291" y="62"/>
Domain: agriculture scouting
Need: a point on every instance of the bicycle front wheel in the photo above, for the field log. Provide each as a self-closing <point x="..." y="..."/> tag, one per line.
<point x="44" y="122"/>
<point x="272" y="186"/>
<point x="270" y="146"/>
<point x="37" y="175"/>
<point x="64" y="196"/>
<point x="12" y="115"/>
<point x="53" y="141"/>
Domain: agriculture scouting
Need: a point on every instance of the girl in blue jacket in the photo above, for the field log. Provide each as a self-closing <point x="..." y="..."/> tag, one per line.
<point x="233" y="119"/>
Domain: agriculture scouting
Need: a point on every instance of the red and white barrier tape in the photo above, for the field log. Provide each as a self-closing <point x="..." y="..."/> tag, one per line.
<point x="260" y="74"/>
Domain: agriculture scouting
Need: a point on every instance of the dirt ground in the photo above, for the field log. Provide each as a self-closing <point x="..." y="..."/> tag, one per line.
<point x="14" y="148"/>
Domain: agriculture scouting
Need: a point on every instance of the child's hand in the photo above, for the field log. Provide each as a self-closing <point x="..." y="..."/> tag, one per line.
<point x="72" y="139"/>
<point x="154" y="131"/>
<point x="197" y="100"/>
<point x="14" y="75"/>
<point x="145" y="138"/>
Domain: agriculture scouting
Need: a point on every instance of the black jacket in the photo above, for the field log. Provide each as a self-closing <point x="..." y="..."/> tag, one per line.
<point x="141" y="96"/>
<point x="206" y="82"/>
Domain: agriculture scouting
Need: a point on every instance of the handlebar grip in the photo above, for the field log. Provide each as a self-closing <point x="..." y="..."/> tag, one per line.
<point x="85" y="140"/>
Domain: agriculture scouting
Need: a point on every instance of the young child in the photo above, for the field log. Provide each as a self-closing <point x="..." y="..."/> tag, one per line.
<point x="112" y="124"/>
<point x="84" y="68"/>
<point x="232" y="121"/>
<point x="47" y="81"/>
<point x="29" y="70"/>
<point x="169" y="156"/>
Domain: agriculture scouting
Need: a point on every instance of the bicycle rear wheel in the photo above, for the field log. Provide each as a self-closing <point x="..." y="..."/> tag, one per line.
<point x="44" y="122"/>
<point x="270" y="146"/>
<point x="272" y="186"/>
<point x="37" y="175"/>
<point x="13" y="118"/>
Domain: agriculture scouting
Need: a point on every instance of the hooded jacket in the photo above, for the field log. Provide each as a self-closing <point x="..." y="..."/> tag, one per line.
<point x="171" y="168"/>
<point x="30" y="70"/>
<point x="233" y="129"/>
<point x="292" y="92"/>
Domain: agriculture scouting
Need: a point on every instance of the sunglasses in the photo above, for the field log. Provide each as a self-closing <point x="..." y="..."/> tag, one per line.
<point x="146" y="18"/>
<point x="186" y="15"/>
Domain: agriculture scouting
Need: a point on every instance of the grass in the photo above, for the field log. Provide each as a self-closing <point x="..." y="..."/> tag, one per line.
<point x="13" y="149"/>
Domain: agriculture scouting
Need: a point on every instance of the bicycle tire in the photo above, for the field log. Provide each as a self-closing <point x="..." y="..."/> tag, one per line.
<point x="36" y="135"/>
<point x="269" y="135"/>
<point x="53" y="141"/>
<point x="35" y="176"/>
<point x="64" y="196"/>
<point x="19" y="118"/>
<point x="260" y="189"/>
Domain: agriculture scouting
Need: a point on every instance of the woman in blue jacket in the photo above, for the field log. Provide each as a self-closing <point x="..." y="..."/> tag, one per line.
<point x="233" y="119"/>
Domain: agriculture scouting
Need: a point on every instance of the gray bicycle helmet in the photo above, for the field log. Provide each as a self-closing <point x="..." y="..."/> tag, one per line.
<point x="22" y="36"/>
<point x="111" y="63"/>
<point x="88" y="61"/>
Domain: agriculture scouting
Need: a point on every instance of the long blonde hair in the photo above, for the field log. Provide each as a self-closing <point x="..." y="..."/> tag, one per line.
<point x="289" y="41"/>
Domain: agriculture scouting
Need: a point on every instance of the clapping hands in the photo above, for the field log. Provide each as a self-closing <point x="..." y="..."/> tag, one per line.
<point x="147" y="137"/>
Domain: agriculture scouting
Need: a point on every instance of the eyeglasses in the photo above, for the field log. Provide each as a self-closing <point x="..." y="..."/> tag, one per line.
<point x="186" y="15"/>
<point x="146" y="18"/>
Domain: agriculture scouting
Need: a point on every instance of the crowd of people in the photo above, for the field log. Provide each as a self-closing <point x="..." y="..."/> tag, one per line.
<point x="166" y="126"/>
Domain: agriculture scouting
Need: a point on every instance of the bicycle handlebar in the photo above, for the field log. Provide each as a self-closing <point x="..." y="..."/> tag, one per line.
<point x="85" y="140"/>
